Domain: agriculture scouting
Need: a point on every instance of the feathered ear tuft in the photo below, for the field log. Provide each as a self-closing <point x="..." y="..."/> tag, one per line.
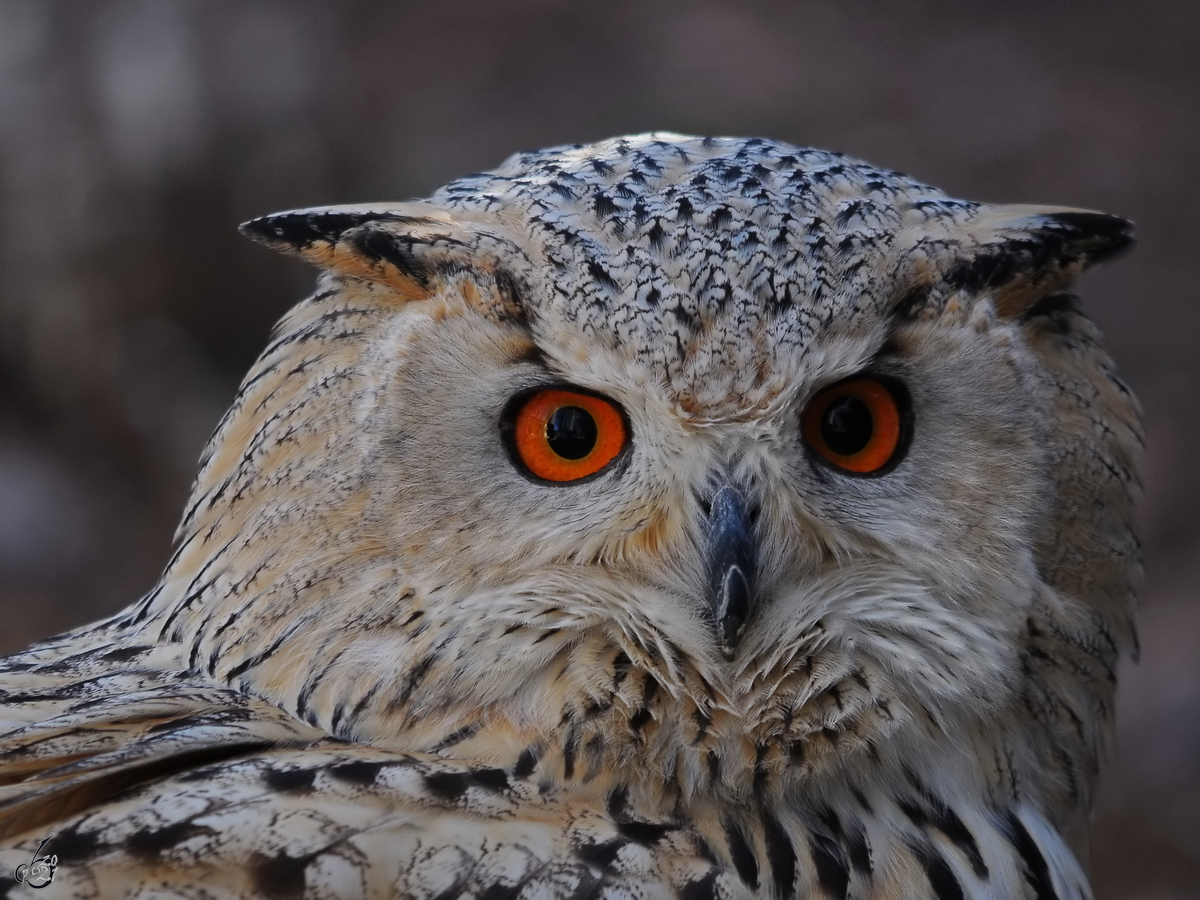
<point x="402" y="246"/>
<point x="1017" y="255"/>
<point x="1026" y="253"/>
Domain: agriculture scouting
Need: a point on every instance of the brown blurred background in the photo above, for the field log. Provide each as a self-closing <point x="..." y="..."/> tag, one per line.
<point x="134" y="136"/>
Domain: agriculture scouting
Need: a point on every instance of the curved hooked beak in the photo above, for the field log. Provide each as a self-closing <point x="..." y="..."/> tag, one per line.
<point x="732" y="557"/>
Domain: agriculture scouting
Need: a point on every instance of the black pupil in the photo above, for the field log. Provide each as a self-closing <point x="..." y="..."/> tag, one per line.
<point x="847" y="426"/>
<point x="571" y="432"/>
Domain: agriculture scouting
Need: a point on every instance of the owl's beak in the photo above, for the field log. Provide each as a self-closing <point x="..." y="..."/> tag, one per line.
<point x="731" y="565"/>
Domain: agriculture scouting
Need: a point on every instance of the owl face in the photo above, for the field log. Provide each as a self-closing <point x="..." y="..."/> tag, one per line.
<point x="694" y="443"/>
<point x="685" y="498"/>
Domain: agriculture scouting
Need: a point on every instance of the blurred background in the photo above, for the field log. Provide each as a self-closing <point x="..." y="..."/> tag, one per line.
<point x="134" y="136"/>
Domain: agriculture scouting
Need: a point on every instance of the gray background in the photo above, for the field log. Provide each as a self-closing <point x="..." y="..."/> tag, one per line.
<point x="134" y="136"/>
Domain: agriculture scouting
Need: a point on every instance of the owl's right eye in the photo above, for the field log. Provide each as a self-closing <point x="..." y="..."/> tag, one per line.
<point x="563" y="435"/>
<point x="860" y="426"/>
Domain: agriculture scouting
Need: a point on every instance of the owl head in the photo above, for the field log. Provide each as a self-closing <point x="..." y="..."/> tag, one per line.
<point x="722" y="460"/>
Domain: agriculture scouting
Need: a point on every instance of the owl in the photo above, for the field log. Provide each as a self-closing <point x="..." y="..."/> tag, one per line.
<point x="665" y="517"/>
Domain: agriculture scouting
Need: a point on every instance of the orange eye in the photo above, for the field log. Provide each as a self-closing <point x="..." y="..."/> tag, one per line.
<point x="860" y="425"/>
<point x="563" y="435"/>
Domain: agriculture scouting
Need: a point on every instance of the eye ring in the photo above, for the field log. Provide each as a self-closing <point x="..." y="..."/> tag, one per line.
<point x="563" y="434"/>
<point x="861" y="426"/>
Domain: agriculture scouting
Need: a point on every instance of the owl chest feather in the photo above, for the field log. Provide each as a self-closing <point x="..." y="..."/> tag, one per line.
<point x="226" y="790"/>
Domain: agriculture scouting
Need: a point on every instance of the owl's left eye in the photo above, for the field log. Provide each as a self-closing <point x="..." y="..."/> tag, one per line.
<point x="564" y="435"/>
<point x="860" y="426"/>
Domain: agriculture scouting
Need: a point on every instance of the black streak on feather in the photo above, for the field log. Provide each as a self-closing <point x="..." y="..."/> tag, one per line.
<point x="830" y="865"/>
<point x="741" y="854"/>
<point x="290" y="781"/>
<point x="150" y="843"/>
<point x="781" y="856"/>
<point x="357" y="771"/>
<point x="644" y="833"/>
<point x="1037" y="873"/>
<point x="941" y="879"/>
<point x="279" y="877"/>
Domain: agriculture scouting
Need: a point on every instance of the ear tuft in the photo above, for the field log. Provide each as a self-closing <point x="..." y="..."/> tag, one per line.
<point x="297" y="231"/>
<point x="1096" y="236"/>
<point x="399" y="245"/>
<point x="1026" y="253"/>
